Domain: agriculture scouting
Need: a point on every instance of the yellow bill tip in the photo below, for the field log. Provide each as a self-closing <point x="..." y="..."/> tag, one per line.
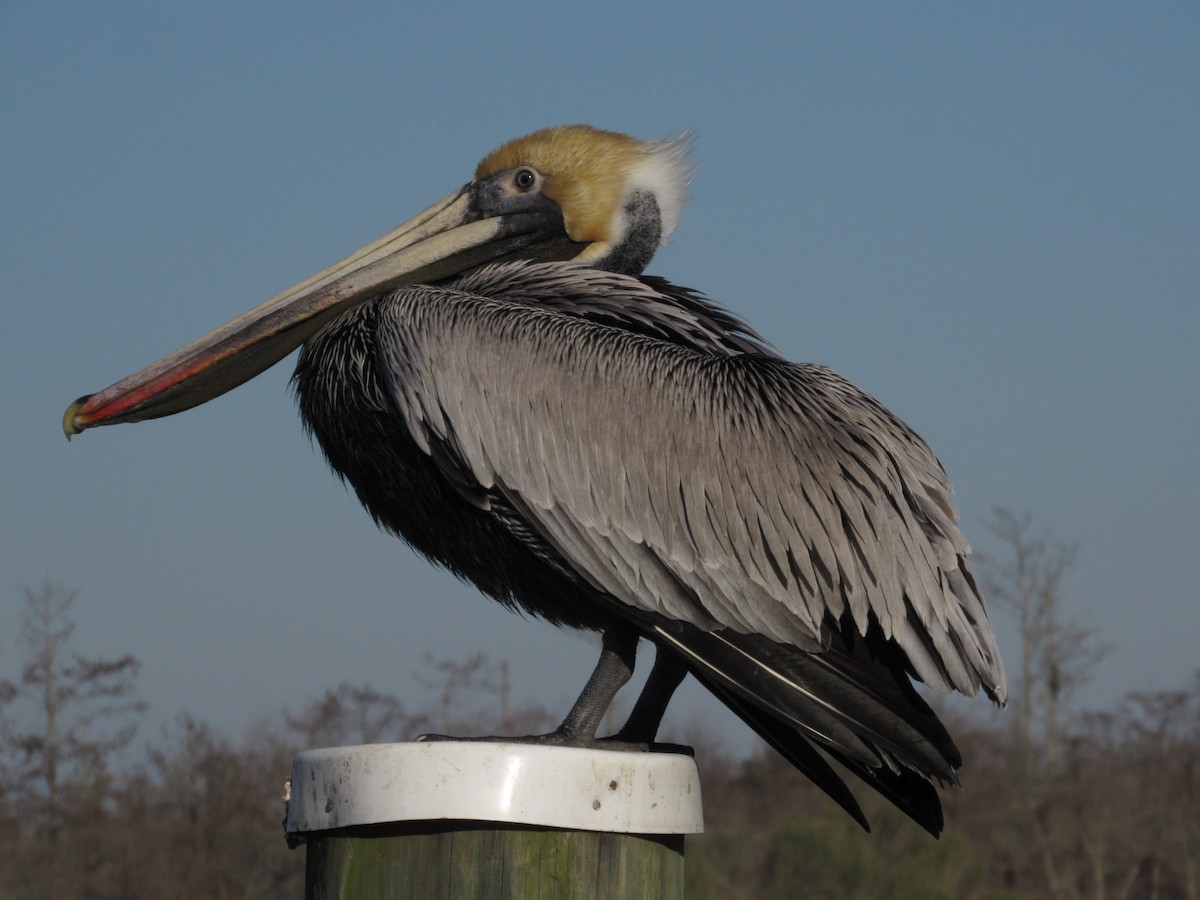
<point x="73" y="423"/>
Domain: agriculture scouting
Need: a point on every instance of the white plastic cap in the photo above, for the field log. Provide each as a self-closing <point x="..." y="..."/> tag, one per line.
<point x="558" y="787"/>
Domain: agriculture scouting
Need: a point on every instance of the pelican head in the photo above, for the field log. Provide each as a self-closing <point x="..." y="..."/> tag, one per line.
<point x="572" y="193"/>
<point x="620" y="197"/>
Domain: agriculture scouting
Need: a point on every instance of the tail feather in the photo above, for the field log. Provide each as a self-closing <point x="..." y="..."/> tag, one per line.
<point x="795" y="749"/>
<point x="857" y="707"/>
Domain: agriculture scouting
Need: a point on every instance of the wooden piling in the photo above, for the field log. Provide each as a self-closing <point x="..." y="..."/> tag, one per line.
<point x="478" y="821"/>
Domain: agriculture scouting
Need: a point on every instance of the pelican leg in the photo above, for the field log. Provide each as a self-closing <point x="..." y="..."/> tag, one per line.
<point x="643" y="723"/>
<point x="578" y="729"/>
<point x="612" y="672"/>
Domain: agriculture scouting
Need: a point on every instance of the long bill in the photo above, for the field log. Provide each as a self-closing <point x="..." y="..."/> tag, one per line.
<point x="447" y="238"/>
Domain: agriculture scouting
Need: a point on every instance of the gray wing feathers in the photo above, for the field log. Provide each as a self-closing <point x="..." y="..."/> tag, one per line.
<point x="727" y="491"/>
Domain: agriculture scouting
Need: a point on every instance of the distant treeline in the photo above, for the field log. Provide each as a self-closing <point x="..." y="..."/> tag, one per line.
<point x="1056" y="803"/>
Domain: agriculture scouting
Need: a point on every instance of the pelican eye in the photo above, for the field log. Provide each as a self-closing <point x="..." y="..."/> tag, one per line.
<point x="525" y="180"/>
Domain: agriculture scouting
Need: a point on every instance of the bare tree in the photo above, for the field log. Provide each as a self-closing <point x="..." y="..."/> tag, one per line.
<point x="1058" y="655"/>
<point x="353" y="714"/>
<point x="68" y="713"/>
<point x="488" y="685"/>
<point x="1050" y="801"/>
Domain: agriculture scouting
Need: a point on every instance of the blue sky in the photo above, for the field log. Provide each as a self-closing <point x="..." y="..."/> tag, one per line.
<point x="988" y="215"/>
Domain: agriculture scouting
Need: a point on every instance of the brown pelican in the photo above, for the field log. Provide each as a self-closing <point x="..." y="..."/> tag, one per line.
<point x="506" y="391"/>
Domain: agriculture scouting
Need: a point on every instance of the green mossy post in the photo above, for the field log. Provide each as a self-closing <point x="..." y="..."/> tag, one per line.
<point x="486" y="861"/>
<point x="483" y="821"/>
